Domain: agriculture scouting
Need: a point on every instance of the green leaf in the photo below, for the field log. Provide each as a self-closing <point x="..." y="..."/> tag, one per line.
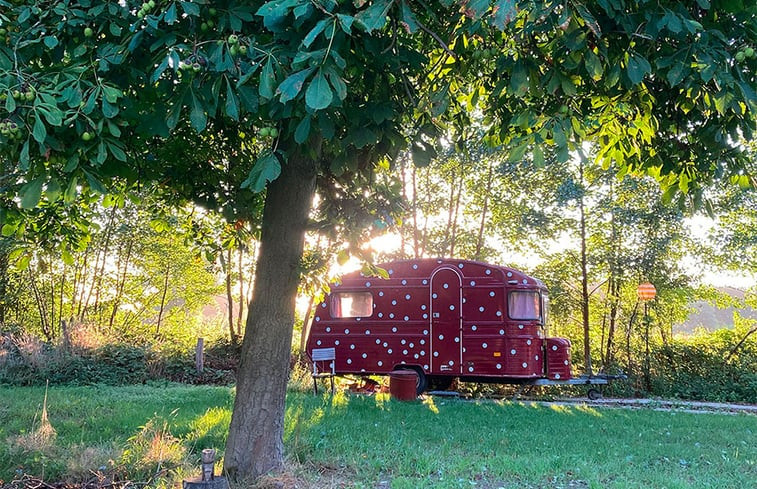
<point x="476" y="8"/>
<point x="232" y="104"/>
<point x="292" y="85"/>
<point x="303" y="130"/>
<point x="10" y="102"/>
<point x="112" y="94"/>
<point x="676" y="73"/>
<point x="9" y="230"/>
<point x="197" y="115"/>
<point x="50" y="41"/>
<point x="266" y="169"/>
<point x="519" y="79"/>
<point x="315" y="31"/>
<point x="374" y="17"/>
<point x="109" y="110"/>
<point x="191" y="9"/>
<point x="273" y="13"/>
<point x="31" y="192"/>
<point x="589" y="19"/>
<point x="503" y="12"/>
<point x="94" y="183"/>
<point x="267" y="80"/>
<point x="593" y="65"/>
<point x="637" y="68"/>
<point x="67" y="257"/>
<point x="53" y="190"/>
<point x="71" y="191"/>
<point x="345" y="22"/>
<point x="39" y="131"/>
<point x="319" y="95"/>
<point x="408" y="18"/>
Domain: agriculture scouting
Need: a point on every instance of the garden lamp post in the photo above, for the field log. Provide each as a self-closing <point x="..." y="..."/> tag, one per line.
<point x="646" y="292"/>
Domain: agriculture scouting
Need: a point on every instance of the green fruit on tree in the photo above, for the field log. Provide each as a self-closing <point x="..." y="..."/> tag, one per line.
<point x="88" y="32"/>
<point x="204" y="26"/>
<point x="273" y="132"/>
<point x="29" y="96"/>
<point x="749" y="52"/>
<point x="196" y="67"/>
<point x="151" y="3"/>
<point x="86" y="136"/>
<point x="242" y="50"/>
<point x="212" y="11"/>
<point x="210" y="23"/>
<point x="563" y="109"/>
<point x="233" y="39"/>
<point x="233" y="50"/>
<point x="265" y="132"/>
<point x="740" y="56"/>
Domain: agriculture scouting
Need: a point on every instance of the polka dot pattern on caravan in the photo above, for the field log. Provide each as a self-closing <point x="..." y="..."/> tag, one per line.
<point x="453" y="318"/>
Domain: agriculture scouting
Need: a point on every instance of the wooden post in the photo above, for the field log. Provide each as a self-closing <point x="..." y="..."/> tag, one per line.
<point x="200" y="355"/>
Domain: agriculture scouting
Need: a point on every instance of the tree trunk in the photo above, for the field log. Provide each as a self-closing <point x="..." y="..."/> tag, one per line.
<point x="163" y="300"/>
<point x="240" y="311"/>
<point x="584" y="282"/>
<point x="484" y="211"/>
<point x="416" y="249"/>
<point x="255" y="444"/>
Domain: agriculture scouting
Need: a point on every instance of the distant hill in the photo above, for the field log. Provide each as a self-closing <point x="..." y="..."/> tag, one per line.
<point x="709" y="317"/>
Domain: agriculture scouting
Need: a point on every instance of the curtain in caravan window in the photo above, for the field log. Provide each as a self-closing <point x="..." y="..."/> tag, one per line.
<point x="524" y="304"/>
<point x="352" y="305"/>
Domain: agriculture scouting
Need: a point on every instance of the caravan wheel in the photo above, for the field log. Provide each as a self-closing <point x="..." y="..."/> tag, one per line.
<point x="422" y="383"/>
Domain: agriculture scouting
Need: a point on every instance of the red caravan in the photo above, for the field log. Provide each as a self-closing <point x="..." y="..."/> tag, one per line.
<point x="444" y="319"/>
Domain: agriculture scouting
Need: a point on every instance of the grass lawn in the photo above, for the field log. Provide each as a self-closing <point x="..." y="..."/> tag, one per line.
<point x="355" y="441"/>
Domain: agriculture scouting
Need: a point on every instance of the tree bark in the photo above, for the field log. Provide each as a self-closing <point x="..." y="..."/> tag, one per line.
<point x="255" y="444"/>
<point x="584" y="281"/>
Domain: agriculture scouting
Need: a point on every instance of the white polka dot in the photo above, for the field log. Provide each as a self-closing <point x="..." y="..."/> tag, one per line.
<point x="394" y="329"/>
<point x="385" y="344"/>
<point x="415" y="266"/>
<point x="389" y="351"/>
<point x="357" y="319"/>
<point x="434" y="296"/>
<point x="318" y="342"/>
<point x="362" y="370"/>
<point x="460" y="265"/>
<point x="404" y="352"/>
<point x="554" y="347"/>
<point x="438" y="261"/>
<point x="488" y="272"/>
<point x="465" y="300"/>
<point x="404" y="282"/>
<point x="499" y="313"/>
<point x="423" y="353"/>
<point x="451" y="362"/>
<point x="484" y="345"/>
<point x="367" y="331"/>
<point x="346" y="331"/>
<point x="436" y="354"/>
<point x="381" y="294"/>
<point x="425" y="282"/>
<point x="472" y="283"/>
<point x="422" y="342"/>
<point x="470" y="369"/>
<point x="407" y="297"/>
<point x="525" y="365"/>
<point x="411" y="345"/>
<point x="336" y="342"/>
<point x="406" y="318"/>
<point x="323" y="305"/>
<point x="425" y="367"/>
<point x="317" y="318"/>
<point x="446" y="286"/>
<point x="423" y="307"/>
<point x="380" y="363"/>
<point x="499" y="366"/>
<point x="501" y="331"/>
<point x="536" y="357"/>
<point x="328" y="330"/>
<point x="457" y="339"/>
<point x="441" y="337"/>
<point x="365" y="355"/>
<point x="557" y="376"/>
<point x="378" y="341"/>
<point x="528" y="342"/>
<point x="394" y="302"/>
<point x="367" y="284"/>
<point x="352" y="347"/>
<point x="509" y="274"/>
<point x="481" y="309"/>
<point x="473" y="328"/>
<point x="391" y="315"/>
<point x="451" y="307"/>
<point x="513" y="352"/>
<point x="520" y="326"/>
<point x="565" y="362"/>
<point x="381" y="314"/>
<point x="525" y="281"/>
<point x="415" y="356"/>
<point x="349" y="361"/>
<point x="391" y="272"/>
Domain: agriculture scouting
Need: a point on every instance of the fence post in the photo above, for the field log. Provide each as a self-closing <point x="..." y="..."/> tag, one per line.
<point x="200" y="355"/>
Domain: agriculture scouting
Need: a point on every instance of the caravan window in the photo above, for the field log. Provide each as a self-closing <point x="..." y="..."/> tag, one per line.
<point x="351" y="304"/>
<point x="524" y="304"/>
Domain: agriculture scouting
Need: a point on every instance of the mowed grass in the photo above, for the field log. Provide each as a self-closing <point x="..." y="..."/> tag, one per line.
<point x="356" y="441"/>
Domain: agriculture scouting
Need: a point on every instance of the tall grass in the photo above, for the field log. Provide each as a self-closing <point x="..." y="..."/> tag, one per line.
<point x="155" y="432"/>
